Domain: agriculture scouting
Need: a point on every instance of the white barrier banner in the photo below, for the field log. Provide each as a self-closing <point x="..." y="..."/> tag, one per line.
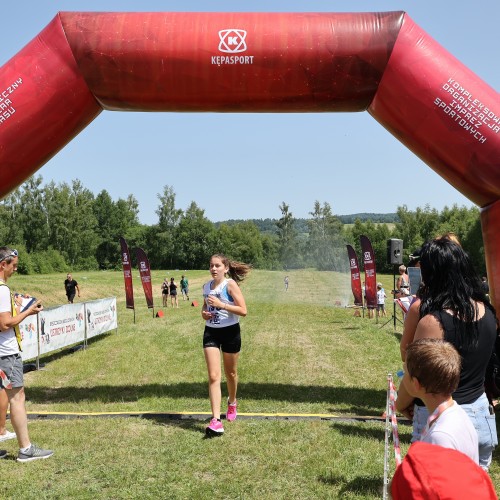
<point x="29" y="334"/>
<point x="61" y="326"/>
<point x="101" y="316"/>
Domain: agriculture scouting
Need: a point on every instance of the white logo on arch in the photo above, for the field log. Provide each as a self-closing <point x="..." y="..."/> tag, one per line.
<point x="232" y="41"/>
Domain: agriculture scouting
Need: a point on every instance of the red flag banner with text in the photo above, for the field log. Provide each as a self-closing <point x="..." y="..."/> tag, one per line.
<point x="145" y="272"/>
<point x="355" y="277"/>
<point x="127" y="274"/>
<point x="370" y="272"/>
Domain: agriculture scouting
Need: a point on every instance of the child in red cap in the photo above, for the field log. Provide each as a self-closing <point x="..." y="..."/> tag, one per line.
<point x="430" y="472"/>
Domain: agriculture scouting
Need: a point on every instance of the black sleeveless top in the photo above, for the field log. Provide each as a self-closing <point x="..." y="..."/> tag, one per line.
<point x="475" y="359"/>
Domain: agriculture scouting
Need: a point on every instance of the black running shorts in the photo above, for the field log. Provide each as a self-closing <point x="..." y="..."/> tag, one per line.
<point x="228" y="339"/>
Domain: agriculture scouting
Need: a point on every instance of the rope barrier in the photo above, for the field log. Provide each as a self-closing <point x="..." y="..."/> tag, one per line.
<point x="394" y="422"/>
<point x="391" y="424"/>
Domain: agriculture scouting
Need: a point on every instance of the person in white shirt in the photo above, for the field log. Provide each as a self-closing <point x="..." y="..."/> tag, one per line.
<point x="432" y="374"/>
<point x="11" y="362"/>
<point x="381" y="296"/>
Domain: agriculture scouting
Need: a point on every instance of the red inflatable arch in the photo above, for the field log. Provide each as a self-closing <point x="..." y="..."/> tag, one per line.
<point x="382" y="62"/>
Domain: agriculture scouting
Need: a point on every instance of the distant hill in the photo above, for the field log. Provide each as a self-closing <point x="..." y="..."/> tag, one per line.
<point x="269" y="225"/>
<point x="350" y="219"/>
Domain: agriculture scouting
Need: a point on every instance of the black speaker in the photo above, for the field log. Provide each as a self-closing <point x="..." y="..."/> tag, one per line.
<point x="394" y="251"/>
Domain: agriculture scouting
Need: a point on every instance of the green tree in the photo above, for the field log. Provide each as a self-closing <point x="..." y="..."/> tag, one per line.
<point x="33" y="218"/>
<point x="11" y="228"/>
<point x="128" y="213"/>
<point x="58" y="205"/>
<point x="326" y="244"/>
<point x="466" y="224"/>
<point x="82" y="238"/>
<point x="270" y="250"/>
<point x="195" y="239"/>
<point x="472" y="241"/>
<point x="416" y="227"/>
<point x="113" y="220"/>
<point x="161" y="238"/>
<point x="107" y="249"/>
<point x="242" y="242"/>
<point x="425" y="223"/>
<point x="287" y="237"/>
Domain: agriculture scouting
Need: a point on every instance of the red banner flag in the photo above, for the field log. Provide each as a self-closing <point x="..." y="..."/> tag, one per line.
<point x="127" y="274"/>
<point x="145" y="272"/>
<point x="355" y="277"/>
<point x="370" y="272"/>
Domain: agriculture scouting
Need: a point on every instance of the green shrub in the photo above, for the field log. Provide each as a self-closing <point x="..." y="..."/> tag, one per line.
<point x="87" y="264"/>
<point x="26" y="265"/>
<point x="41" y="264"/>
<point x="56" y="260"/>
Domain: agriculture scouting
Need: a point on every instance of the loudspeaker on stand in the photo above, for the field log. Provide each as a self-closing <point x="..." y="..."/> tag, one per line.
<point x="394" y="251"/>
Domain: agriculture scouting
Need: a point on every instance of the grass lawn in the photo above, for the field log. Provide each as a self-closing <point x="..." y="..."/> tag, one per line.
<point x="302" y="354"/>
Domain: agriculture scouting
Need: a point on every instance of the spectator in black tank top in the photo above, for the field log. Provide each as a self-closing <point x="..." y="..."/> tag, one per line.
<point x="453" y="307"/>
<point x="173" y="293"/>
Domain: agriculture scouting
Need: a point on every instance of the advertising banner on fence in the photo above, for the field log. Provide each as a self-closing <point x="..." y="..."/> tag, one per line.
<point x="370" y="272"/>
<point x="29" y="334"/>
<point x="61" y="326"/>
<point x="127" y="274"/>
<point x="145" y="272"/>
<point x="355" y="276"/>
<point x="101" y="316"/>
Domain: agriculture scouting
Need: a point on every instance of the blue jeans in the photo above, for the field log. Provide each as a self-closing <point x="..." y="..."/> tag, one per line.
<point x="484" y="423"/>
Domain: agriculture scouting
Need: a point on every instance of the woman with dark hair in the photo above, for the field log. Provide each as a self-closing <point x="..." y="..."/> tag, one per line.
<point x="172" y="289"/>
<point x="222" y="307"/>
<point x="453" y="307"/>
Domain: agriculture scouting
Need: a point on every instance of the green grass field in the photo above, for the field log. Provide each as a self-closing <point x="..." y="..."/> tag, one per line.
<point x="302" y="354"/>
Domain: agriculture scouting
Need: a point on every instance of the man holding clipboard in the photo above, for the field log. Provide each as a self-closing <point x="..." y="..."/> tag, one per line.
<point x="11" y="362"/>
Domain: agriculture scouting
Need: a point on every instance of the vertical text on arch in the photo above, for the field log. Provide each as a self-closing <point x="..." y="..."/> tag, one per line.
<point x="6" y="107"/>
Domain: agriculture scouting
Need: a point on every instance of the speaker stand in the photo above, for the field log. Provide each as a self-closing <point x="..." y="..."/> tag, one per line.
<point x="393" y="317"/>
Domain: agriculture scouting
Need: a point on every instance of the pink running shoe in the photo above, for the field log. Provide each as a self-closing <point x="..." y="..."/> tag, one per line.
<point x="231" y="411"/>
<point x="214" y="428"/>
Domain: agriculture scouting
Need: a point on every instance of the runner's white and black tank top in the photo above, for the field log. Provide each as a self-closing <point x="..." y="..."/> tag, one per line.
<point x="220" y="317"/>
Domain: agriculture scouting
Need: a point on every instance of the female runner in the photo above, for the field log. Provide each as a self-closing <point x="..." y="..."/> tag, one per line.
<point x="223" y="305"/>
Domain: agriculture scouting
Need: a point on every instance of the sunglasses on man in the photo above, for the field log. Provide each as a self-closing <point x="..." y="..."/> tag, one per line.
<point x="14" y="253"/>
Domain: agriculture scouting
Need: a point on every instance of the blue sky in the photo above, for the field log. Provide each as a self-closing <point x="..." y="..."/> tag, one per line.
<point x="264" y="159"/>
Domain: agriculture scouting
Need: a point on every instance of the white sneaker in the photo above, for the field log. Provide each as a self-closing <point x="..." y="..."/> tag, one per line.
<point x="8" y="435"/>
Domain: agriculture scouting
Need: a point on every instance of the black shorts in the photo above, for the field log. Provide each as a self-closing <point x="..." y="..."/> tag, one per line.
<point x="228" y="338"/>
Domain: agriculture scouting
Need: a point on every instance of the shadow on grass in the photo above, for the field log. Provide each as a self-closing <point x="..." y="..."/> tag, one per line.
<point x="397" y="336"/>
<point x="187" y="424"/>
<point x="343" y="400"/>
<point x="364" y="432"/>
<point x="362" y="485"/>
<point x="30" y="365"/>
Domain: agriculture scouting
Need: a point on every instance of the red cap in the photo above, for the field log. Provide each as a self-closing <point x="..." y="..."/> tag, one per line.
<point x="432" y="472"/>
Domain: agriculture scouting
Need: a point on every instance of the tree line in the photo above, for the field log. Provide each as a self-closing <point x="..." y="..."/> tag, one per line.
<point x="60" y="227"/>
